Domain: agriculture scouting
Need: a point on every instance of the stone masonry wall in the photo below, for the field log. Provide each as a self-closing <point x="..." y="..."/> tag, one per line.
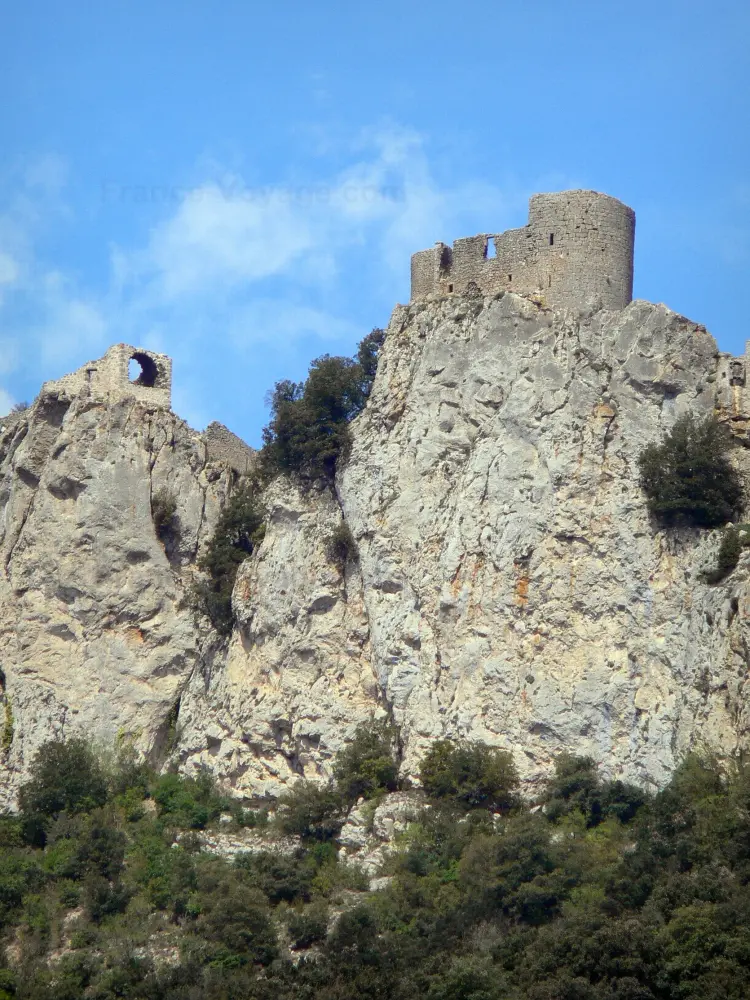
<point x="223" y="446"/>
<point x="577" y="245"/>
<point x="108" y="378"/>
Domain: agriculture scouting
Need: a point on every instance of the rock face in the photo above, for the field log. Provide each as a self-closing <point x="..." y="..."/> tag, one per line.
<point x="515" y="588"/>
<point x="510" y="586"/>
<point x="95" y="632"/>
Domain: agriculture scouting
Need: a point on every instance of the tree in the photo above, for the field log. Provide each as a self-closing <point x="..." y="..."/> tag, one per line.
<point x="577" y="787"/>
<point x="688" y="478"/>
<point x="308" y="432"/>
<point x="66" y="775"/>
<point x="310" y="812"/>
<point x="472" y="774"/>
<point x="368" y="763"/>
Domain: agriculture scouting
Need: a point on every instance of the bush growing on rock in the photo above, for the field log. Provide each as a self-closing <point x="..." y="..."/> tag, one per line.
<point x="66" y="776"/>
<point x="164" y="513"/>
<point x="238" y="532"/>
<point x="688" y="478"/>
<point x="470" y="774"/>
<point x="340" y="546"/>
<point x="307" y="927"/>
<point x="733" y="540"/>
<point x="310" y="811"/>
<point x="576" y="787"/>
<point x="188" y="802"/>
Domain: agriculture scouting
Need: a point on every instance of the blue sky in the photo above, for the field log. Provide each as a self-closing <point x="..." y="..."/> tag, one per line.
<point x="241" y="184"/>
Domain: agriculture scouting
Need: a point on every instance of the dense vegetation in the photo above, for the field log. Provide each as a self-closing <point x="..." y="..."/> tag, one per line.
<point x="309" y="427"/>
<point x="688" y="478"/>
<point x="603" y="893"/>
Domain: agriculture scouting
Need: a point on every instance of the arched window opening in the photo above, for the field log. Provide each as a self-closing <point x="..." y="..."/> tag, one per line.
<point x="142" y="370"/>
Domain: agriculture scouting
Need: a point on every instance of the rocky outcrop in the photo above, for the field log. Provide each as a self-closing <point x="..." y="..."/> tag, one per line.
<point x="95" y="630"/>
<point x="509" y="587"/>
<point x="515" y="587"/>
<point x="296" y="677"/>
<point x="371" y="831"/>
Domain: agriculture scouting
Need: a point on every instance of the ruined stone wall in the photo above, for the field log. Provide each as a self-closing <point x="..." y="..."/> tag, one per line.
<point x="108" y="379"/>
<point x="223" y="446"/>
<point x="577" y="245"/>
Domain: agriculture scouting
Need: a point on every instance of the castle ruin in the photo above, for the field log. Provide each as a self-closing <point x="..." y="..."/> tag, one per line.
<point x="577" y="246"/>
<point x="108" y="378"/>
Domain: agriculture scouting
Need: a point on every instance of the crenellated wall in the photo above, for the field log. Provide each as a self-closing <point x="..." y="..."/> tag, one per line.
<point x="577" y="246"/>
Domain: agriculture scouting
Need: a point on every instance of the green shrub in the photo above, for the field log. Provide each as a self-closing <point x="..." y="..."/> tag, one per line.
<point x="308" y="432"/>
<point x="6" y="742"/>
<point x="688" y="477"/>
<point x="278" y="876"/>
<point x="66" y="775"/>
<point x="311" y="812"/>
<point x="19" y="875"/>
<point x="236" y="918"/>
<point x="101" y="898"/>
<point x="733" y="540"/>
<point x="164" y="513"/>
<point x="188" y="802"/>
<point x="238" y="532"/>
<point x="470" y="774"/>
<point x="341" y="547"/>
<point x="576" y="787"/>
<point x="433" y="845"/>
<point x="308" y="926"/>
<point x="369" y="763"/>
<point x="80" y="844"/>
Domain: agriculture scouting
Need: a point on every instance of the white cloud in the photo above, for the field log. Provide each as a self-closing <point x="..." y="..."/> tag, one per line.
<point x="9" y="270"/>
<point x="6" y="402"/>
<point x="264" y="268"/>
<point x="281" y="324"/>
<point x="225" y="235"/>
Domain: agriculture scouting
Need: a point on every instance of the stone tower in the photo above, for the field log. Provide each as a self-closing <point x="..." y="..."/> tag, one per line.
<point x="577" y="246"/>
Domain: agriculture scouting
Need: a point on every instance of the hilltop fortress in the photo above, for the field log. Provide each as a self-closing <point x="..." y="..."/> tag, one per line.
<point x="578" y="245"/>
<point x="110" y="378"/>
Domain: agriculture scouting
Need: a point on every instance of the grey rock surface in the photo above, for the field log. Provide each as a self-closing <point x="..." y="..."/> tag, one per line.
<point x="369" y="835"/>
<point x="510" y="586"/>
<point x="95" y="631"/>
<point x="516" y="590"/>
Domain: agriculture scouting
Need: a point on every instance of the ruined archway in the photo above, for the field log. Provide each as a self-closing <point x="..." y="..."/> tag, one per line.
<point x="143" y="370"/>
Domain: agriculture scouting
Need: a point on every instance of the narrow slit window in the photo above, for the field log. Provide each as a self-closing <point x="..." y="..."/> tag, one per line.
<point x="551" y="239"/>
<point x="450" y="288"/>
<point x="510" y="277"/>
<point x="490" y="251"/>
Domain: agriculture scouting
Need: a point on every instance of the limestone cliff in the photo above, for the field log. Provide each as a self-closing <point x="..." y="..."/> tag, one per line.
<point x="95" y="632"/>
<point x="509" y="586"/>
